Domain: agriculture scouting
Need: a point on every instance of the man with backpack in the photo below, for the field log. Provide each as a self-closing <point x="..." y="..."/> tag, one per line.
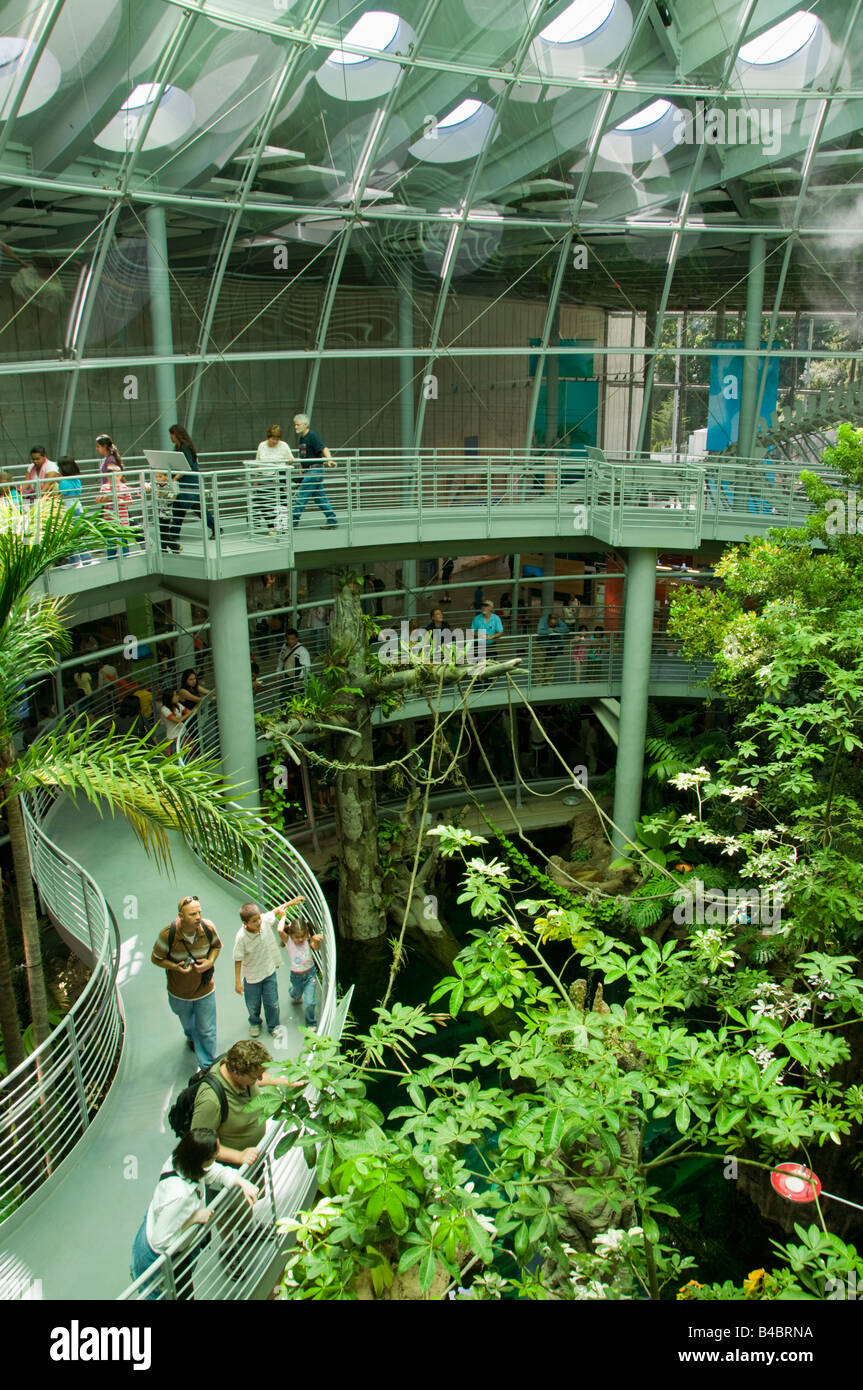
<point x="223" y="1095"/>
<point x="187" y="950"/>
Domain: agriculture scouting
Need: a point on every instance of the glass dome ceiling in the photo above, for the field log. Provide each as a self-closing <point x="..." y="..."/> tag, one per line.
<point x="286" y="155"/>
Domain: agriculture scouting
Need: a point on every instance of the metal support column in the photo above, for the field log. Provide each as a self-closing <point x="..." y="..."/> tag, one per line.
<point x="751" y="342"/>
<point x="181" y="612"/>
<point x="229" y="626"/>
<point x="160" y="316"/>
<point x="637" y="642"/>
<point x="406" y="422"/>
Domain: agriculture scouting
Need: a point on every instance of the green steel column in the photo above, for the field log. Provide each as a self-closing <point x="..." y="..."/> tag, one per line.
<point x="160" y="317"/>
<point x="229" y="628"/>
<point x="751" y="341"/>
<point x="406" y="419"/>
<point x="547" y="590"/>
<point x="181" y="611"/>
<point x="140" y="626"/>
<point x="637" y="642"/>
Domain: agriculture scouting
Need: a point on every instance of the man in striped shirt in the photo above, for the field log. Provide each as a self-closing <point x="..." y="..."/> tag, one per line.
<point x="187" y="950"/>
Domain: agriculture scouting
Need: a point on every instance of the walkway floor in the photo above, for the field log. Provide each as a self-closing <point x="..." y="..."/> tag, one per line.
<point x="77" y="1242"/>
<point x="79" y="1239"/>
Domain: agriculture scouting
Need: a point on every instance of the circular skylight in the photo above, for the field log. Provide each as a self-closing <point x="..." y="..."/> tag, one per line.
<point x="459" y="114"/>
<point x="16" y="53"/>
<point x="172" y="118"/>
<point x="142" y="95"/>
<point x="581" y="19"/>
<point x="11" y="50"/>
<point x="376" y="29"/>
<point x="648" y="115"/>
<point x="782" y="41"/>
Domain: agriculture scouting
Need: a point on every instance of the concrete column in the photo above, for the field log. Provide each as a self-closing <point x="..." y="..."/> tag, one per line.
<point x="229" y="627"/>
<point x="637" y="642"/>
<point x="160" y="317"/>
<point x="751" y="341"/>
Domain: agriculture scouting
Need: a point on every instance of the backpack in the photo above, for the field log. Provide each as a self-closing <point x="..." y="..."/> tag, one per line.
<point x="181" y="1112"/>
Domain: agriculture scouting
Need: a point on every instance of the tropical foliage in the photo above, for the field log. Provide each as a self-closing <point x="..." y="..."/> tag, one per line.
<point x="529" y="1165"/>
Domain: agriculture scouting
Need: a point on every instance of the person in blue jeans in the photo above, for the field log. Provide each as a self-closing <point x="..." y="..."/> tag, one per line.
<point x="188" y="498"/>
<point x="187" y="950"/>
<point x="256" y="960"/>
<point x="314" y="456"/>
<point x="70" y="488"/>
<point x="304" y="977"/>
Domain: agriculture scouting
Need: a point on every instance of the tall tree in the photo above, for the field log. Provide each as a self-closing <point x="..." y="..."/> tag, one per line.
<point x="343" y="708"/>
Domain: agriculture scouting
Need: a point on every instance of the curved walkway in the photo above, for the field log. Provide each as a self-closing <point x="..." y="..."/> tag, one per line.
<point x="77" y="1237"/>
<point x="441" y="502"/>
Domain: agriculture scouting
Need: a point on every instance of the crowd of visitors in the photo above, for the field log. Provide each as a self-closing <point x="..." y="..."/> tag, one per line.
<point x="177" y="494"/>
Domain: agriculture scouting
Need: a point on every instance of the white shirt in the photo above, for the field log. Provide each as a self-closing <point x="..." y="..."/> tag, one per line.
<point x="48" y="469"/>
<point x="172" y="726"/>
<point x="176" y="1199"/>
<point x="290" y="658"/>
<point x="259" y="951"/>
<point x="279" y="454"/>
<point x="300" y="955"/>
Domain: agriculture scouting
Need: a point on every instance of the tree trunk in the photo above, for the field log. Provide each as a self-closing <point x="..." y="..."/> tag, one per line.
<point x="29" y="917"/>
<point x="10" y="1024"/>
<point x="361" y="914"/>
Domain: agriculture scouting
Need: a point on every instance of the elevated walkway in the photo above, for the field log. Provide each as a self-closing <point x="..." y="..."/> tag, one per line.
<point x="72" y="1238"/>
<point x="391" y="505"/>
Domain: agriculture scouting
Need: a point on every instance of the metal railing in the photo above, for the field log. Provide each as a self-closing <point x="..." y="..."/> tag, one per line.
<point x="243" y="1245"/>
<point x="252" y="506"/>
<point x="584" y="660"/>
<point x="49" y="1101"/>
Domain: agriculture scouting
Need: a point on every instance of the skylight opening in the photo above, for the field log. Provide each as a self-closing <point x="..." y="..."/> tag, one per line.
<point x="578" y="22"/>
<point x="376" y="29"/>
<point x="10" y="51"/>
<point x="648" y="115"/>
<point x="459" y="114"/>
<point x="782" y="41"/>
<point x="143" y="95"/>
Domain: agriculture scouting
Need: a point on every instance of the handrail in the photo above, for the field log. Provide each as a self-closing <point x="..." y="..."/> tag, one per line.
<point x="250" y="1242"/>
<point x="601" y="497"/>
<point x="48" y="1102"/>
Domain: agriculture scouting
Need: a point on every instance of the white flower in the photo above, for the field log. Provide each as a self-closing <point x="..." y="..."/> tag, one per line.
<point x="491" y="869"/>
<point x="607" y="1241"/>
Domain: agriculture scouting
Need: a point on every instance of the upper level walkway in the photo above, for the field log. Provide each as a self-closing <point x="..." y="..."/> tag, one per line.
<point x="445" y="502"/>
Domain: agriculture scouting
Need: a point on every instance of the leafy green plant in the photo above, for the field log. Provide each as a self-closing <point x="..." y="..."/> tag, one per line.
<point x="470" y="1173"/>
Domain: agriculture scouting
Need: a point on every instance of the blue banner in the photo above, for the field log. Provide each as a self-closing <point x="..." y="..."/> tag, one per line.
<point x="726" y="376"/>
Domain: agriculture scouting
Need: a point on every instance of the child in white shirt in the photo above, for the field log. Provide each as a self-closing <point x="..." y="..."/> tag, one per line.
<point x="256" y="959"/>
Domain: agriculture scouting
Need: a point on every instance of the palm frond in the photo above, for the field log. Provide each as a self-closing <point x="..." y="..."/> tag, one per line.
<point x="152" y="788"/>
<point x="32" y="539"/>
<point x="30" y="640"/>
